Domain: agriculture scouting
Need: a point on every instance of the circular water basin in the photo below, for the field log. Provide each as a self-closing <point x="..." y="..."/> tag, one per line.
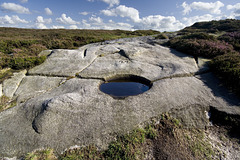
<point x="126" y="86"/>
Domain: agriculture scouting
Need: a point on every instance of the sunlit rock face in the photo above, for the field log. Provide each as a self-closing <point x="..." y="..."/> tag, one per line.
<point x="60" y="104"/>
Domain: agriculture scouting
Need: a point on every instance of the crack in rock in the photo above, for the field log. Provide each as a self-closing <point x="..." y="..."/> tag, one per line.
<point x="77" y="74"/>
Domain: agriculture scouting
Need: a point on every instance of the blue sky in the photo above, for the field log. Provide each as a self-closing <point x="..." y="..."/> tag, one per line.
<point x="162" y="15"/>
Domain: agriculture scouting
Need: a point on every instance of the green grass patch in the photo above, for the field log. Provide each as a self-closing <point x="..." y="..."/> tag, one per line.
<point x="45" y="154"/>
<point x="20" y="63"/>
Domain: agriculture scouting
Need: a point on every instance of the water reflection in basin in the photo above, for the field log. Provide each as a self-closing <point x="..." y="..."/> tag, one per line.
<point x="122" y="88"/>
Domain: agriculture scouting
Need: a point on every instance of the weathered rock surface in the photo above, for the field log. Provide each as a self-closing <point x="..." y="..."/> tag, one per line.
<point x="11" y="85"/>
<point x="142" y="59"/>
<point x="0" y="90"/>
<point x="66" y="62"/>
<point x="58" y="110"/>
<point x="32" y="86"/>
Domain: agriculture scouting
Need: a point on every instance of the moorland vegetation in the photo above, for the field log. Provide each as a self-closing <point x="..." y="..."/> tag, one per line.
<point x="217" y="40"/>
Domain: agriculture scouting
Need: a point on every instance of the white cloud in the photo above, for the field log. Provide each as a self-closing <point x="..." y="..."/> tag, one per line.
<point x="186" y="7"/>
<point x="160" y="23"/>
<point x="236" y="6"/>
<point x="123" y="11"/>
<point x="12" y="7"/>
<point x="40" y="19"/>
<point x="84" y="13"/>
<point x="23" y="1"/>
<point x="57" y="27"/>
<point x="16" y="19"/>
<point x="48" y="11"/>
<point x="236" y="10"/>
<point x="111" y="12"/>
<point x="123" y="26"/>
<point x="6" y="20"/>
<point x="73" y="27"/>
<point x="85" y="24"/>
<point x="12" y="20"/>
<point x="110" y="25"/>
<point x="66" y="20"/>
<point x="156" y="22"/>
<point x="213" y="8"/>
<point x="111" y="3"/>
<point x="130" y="12"/>
<point x="95" y="20"/>
<point x="40" y="22"/>
<point x="188" y="21"/>
<point x="41" y="26"/>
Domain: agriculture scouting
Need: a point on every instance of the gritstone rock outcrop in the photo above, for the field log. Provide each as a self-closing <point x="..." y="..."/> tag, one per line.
<point x="59" y="103"/>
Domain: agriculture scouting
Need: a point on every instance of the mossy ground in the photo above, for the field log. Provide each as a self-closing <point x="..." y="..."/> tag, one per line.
<point x="44" y="154"/>
<point x="5" y="74"/>
<point x="6" y="103"/>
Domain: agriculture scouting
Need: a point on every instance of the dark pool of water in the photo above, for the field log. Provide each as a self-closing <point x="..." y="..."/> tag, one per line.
<point x="122" y="89"/>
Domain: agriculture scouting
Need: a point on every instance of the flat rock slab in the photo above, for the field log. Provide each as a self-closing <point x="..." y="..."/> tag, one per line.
<point x="56" y="109"/>
<point x="151" y="62"/>
<point x="10" y="85"/>
<point x="65" y="62"/>
<point x="32" y="86"/>
<point x="132" y="56"/>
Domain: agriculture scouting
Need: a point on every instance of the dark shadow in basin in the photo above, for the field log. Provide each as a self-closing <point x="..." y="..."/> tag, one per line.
<point x="124" y="86"/>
